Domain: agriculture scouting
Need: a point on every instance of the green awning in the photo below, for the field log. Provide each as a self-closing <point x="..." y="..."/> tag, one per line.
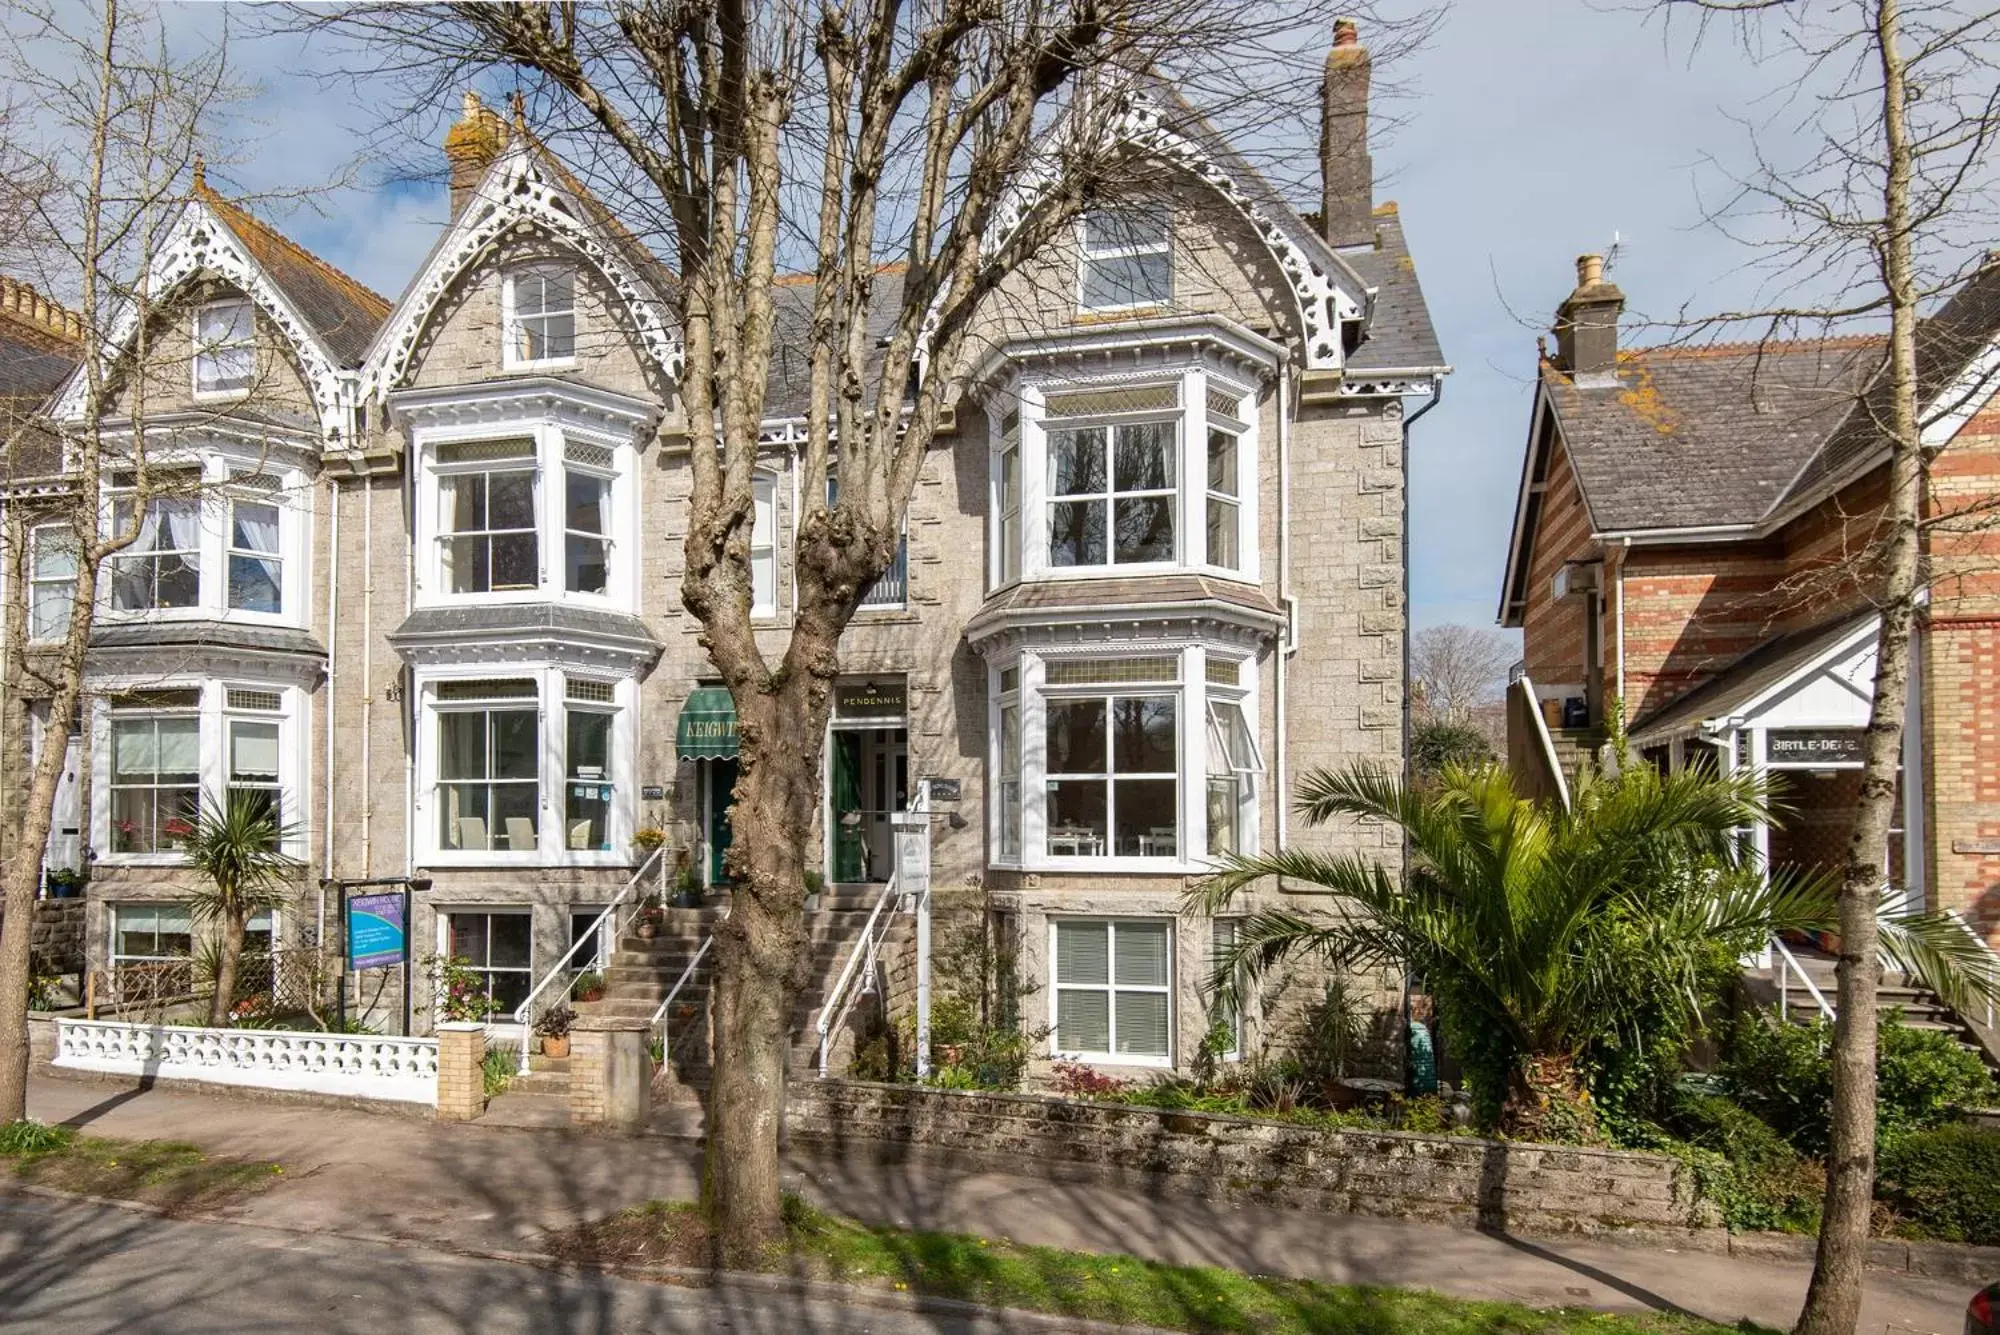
<point x="708" y="725"/>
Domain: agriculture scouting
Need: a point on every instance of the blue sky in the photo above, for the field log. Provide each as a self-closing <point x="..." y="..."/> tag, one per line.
<point x="1538" y="129"/>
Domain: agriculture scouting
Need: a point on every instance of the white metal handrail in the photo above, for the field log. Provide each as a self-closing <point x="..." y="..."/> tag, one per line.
<point x="524" y="1013"/>
<point x="660" y="1015"/>
<point x="834" y="1009"/>
<point x="1792" y="964"/>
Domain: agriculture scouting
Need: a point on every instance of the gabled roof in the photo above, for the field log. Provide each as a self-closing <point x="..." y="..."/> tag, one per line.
<point x="341" y="311"/>
<point x="1756" y="674"/>
<point x="789" y="392"/>
<point x="1703" y="437"/>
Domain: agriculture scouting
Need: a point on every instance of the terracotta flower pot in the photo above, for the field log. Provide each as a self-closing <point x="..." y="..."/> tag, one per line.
<point x="555" y="1047"/>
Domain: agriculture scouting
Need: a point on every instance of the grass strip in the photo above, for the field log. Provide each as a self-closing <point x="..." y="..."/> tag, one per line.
<point x="176" y="1177"/>
<point x="1085" y="1285"/>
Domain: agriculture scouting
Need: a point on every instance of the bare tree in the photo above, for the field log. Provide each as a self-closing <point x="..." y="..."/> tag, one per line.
<point x="1897" y="103"/>
<point x="114" y="142"/>
<point x="1455" y="669"/>
<point x="955" y="139"/>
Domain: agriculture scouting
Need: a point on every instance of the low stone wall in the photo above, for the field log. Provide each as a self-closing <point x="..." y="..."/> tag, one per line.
<point x="1454" y="1179"/>
<point x="57" y="943"/>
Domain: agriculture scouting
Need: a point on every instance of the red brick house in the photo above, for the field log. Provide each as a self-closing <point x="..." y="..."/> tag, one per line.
<point x="1691" y="544"/>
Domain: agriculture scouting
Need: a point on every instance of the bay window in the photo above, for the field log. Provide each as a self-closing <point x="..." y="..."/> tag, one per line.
<point x="488" y="533"/>
<point x="155" y="785"/>
<point x="253" y="749"/>
<point x="489" y="776"/>
<point x="587" y="760"/>
<point x="1112" y="996"/>
<point x="256" y="560"/>
<point x="1113" y="765"/>
<point x="225" y="348"/>
<point x="1117" y="478"/>
<point x="162" y="566"/>
<point x="586" y="532"/>
<point x="532" y="768"/>
<point x="51" y="580"/>
<point x="541" y="315"/>
<point x="1141" y="761"/>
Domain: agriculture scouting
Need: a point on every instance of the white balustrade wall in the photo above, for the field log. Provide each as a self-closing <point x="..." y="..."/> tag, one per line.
<point x="360" y="1066"/>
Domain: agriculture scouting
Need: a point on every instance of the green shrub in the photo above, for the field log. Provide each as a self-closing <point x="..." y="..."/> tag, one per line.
<point x="1946" y="1180"/>
<point x="1749" y="1171"/>
<point x="1784" y="1074"/>
<point x="1437" y="743"/>
<point x="28" y="1136"/>
<point x="499" y="1066"/>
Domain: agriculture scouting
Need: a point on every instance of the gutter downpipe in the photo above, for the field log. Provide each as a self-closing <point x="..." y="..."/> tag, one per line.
<point x="332" y="673"/>
<point x="1437" y="397"/>
<point x="1290" y="643"/>
<point x="368" y="680"/>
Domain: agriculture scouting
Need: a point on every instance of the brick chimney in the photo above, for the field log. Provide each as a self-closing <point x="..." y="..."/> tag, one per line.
<point x="1347" y="173"/>
<point x="1587" y="322"/>
<point x="470" y="147"/>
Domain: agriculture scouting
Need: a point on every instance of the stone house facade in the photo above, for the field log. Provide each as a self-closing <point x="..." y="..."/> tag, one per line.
<point x="1692" y="541"/>
<point x="1153" y="571"/>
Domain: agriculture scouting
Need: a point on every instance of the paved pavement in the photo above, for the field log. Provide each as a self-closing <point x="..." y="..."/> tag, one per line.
<point x="75" y="1267"/>
<point x="384" y="1176"/>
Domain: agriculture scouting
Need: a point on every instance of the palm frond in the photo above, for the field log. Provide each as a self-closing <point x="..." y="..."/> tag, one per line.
<point x="1936" y="950"/>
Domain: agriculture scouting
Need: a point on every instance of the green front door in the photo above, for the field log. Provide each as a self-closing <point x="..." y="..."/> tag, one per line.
<point x="849" y="832"/>
<point x="721" y="794"/>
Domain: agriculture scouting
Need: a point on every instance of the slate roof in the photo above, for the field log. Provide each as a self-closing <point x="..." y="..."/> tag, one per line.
<point x="529" y="620"/>
<point x="33" y="365"/>
<point x="340" y="310"/>
<point x="1691" y="437"/>
<point x="1756" y="672"/>
<point x="789" y="393"/>
<point x="155" y="634"/>
<point x="1401" y="336"/>
<point x="1152" y="595"/>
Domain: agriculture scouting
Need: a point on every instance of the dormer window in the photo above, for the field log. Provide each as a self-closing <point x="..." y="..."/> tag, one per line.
<point x="541" y="316"/>
<point x="1126" y="259"/>
<point x="225" y="348"/>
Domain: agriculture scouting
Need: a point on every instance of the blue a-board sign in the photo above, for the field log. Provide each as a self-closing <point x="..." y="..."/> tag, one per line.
<point x="376" y="933"/>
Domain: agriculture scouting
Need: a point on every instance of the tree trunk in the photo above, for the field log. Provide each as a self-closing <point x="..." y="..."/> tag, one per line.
<point x="1547" y="1100"/>
<point x="1833" y="1302"/>
<point x="226" y="962"/>
<point x="762" y="962"/>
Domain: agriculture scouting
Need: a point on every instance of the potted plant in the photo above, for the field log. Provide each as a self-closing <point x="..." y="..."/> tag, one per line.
<point x="687" y="890"/>
<point x="65" y="882"/>
<point x="646" y="925"/>
<point x="553" y="1026"/>
<point x="647" y="838"/>
<point x="589" y="986"/>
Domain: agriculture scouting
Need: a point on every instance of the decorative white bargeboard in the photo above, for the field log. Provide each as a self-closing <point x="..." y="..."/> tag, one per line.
<point x="358" y="1066"/>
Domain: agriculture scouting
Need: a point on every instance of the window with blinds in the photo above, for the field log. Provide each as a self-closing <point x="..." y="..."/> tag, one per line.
<point x="1113" y="989"/>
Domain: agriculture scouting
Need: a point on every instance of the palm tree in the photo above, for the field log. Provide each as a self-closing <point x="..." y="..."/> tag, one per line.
<point x="1543" y="930"/>
<point x="238" y="850"/>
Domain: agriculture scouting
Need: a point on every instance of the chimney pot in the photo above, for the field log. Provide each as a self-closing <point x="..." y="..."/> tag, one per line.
<point x="1589" y="270"/>
<point x="1346" y="33"/>
<point x="470" y="147"/>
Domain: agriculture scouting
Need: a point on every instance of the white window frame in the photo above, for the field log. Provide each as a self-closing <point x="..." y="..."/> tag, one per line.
<point x="764" y="544"/>
<point x="1246" y="770"/>
<point x="227" y="472"/>
<point x="1087" y="254"/>
<point x="1008" y="533"/>
<point x="513" y="322"/>
<point x="207" y="352"/>
<point x="232" y="553"/>
<point x="443" y="913"/>
<point x="39" y="538"/>
<point x="1109" y="693"/>
<point x="872" y="599"/>
<point x="548" y="457"/>
<point x="1111" y="988"/>
<point x="1107" y="500"/>
<point x="1191" y="688"/>
<point x="1193" y="384"/>
<point x="122" y="500"/>
<point x="551" y="822"/>
<point x="119" y="908"/>
<point x="214" y="713"/>
<point x="1008" y="769"/>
